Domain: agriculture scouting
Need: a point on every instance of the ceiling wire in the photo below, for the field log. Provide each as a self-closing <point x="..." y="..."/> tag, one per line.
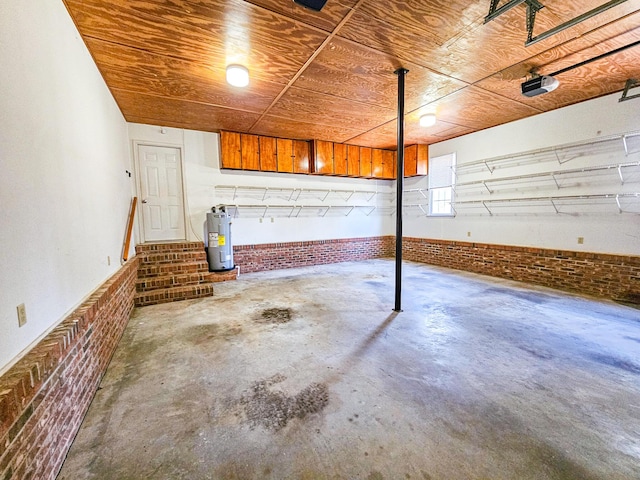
<point x="585" y="62"/>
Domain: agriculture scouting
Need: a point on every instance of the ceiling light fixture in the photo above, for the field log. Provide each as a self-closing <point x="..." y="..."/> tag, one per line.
<point x="237" y="75"/>
<point x="428" y="120"/>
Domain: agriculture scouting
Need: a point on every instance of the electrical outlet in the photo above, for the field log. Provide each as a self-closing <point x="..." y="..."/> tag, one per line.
<point x="468" y="234"/>
<point x="580" y="240"/>
<point x="272" y="220"/>
<point x="22" y="315"/>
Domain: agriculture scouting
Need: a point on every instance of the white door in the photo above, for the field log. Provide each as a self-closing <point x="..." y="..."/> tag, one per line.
<point x="161" y="193"/>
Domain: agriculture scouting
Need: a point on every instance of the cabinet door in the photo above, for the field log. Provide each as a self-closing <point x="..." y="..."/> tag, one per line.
<point x="423" y="160"/>
<point x="323" y="157"/>
<point x="250" y="152"/>
<point x="339" y="159"/>
<point x="411" y="161"/>
<point x="388" y="164"/>
<point x="301" y="156"/>
<point x="230" y="150"/>
<point x="268" y="154"/>
<point x="285" y="155"/>
<point x="376" y="163"/>
<point x="365" y="162"/>
<point x="353" y="160"/>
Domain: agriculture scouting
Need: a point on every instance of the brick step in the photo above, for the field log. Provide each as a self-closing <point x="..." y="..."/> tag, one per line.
<point x="223" y="276"/>
<point x="172" y="257"/>
<point x="164" y="269"/>
<point x="174" y="294"/>
<point x="169" y="247"/>
<point x="173" y="280"/>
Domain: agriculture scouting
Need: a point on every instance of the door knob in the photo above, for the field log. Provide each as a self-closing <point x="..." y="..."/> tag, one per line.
<point x="144" y="201"/>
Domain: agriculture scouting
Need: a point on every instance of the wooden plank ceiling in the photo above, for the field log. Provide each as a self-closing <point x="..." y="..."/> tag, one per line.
<point x="329" y="75"/>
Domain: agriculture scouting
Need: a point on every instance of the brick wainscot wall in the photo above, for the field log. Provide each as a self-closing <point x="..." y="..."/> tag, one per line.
<point x="615" y="277"/>
<point x="273" y="256"/>
<point x="45" y="395"/>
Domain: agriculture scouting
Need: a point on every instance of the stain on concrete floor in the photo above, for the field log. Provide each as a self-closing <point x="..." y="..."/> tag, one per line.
<point x="275" y="315"/>
<point x="273" y="409"/>
<point x="477" y="378"/>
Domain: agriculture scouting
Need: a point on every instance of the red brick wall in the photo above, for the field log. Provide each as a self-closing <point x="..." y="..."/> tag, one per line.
<point x="44" y="397"/>
<point x="612" y="276"/>
<point x="273" y="256"/>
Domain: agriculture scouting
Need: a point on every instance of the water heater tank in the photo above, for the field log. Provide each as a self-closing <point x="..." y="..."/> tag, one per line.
<point x="219" y="247"/>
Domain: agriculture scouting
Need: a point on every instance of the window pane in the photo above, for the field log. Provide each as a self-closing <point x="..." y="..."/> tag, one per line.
<point x="441" y="201"/>
<point x="441" y="184"/>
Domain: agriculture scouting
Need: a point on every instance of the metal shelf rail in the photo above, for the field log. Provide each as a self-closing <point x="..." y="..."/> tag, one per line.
<point x="291" y="193"/>
<point x="553" y="175"/>
<point x="553" y="201"/>
<point x="629" y="141"/>
<point x="293" y="211"/>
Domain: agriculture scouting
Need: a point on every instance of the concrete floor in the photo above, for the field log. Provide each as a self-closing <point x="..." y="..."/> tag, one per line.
<point x="477" y="378"/>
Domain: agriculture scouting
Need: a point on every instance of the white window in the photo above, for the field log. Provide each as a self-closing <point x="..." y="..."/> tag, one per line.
<point x="441" y="183"/>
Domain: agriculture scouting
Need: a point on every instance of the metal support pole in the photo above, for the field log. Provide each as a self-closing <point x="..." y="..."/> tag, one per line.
<point x="402" y="73"/>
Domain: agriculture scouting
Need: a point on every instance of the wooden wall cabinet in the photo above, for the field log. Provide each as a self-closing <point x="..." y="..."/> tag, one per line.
<point x="365" y="162"/>
<point x="301" y="156"/>
<point x="250" y="152"/>
<point x="230" y="155"/>
<point x="285" y="155"/>
<point x="376" y="163"/>
<point x="423" y="160"/>
<point x="268" y="159"/>
<point x="339" y="159"/>
<point x="242" y="151"/>
<point x="267" y="154"/>
<point x="353" y="160"/>
<point x="388" y="164"/>
<point x="323" y="157"/>
<point x="416" y="160"/>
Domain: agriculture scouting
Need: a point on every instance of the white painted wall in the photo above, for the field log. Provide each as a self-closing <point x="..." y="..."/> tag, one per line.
<point x="63" y="188"/>
<point x="603" y="229"/>
<point x="202" y="173"/>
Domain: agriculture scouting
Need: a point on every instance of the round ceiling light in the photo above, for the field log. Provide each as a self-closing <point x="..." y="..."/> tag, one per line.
<point x="428" y="120"/>
<point x="237" y="75"/>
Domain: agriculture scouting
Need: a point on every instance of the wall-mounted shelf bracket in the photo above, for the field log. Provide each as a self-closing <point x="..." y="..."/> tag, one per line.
<point x="487" y="208"/>
<point x="416" y="205"/>
<point x="489" y="168"/>
<point x="421" y="191"/>
<point x="555" y="152"/>
<point x="618" y="203"/>
<point x="487" y="187"/>
<point x="367" y="210"/>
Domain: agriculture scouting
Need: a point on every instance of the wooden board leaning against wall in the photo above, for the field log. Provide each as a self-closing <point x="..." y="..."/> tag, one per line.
<point x="241" y="151"/>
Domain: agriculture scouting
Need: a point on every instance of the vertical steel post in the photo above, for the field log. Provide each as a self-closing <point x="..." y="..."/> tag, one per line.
<point x="401" y="72"/>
